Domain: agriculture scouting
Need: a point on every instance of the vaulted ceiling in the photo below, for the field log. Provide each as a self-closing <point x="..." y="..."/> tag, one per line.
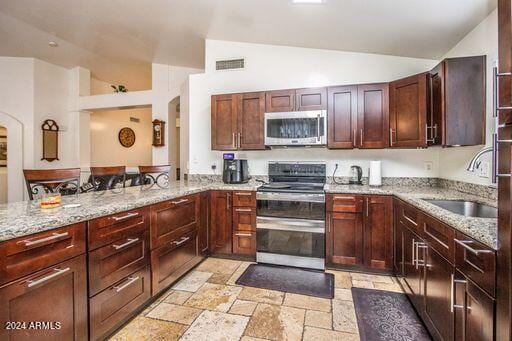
<point x="118" y="39"/>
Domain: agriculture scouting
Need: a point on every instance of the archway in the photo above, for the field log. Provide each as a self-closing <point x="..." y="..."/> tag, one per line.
<point x="14" y="156"/>
<point x="174" y="137"/>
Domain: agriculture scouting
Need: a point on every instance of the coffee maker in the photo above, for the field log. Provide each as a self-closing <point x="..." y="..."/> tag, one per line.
<point x="235" y="171"/>
<point x="356" y="175"/>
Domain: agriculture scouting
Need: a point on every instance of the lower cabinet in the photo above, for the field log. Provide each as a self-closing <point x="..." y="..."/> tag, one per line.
<point x="413" y="273"/>
<point x="221" y="218"/>
<point x="171" y="261"/>
<point x="55" y="296"/>
<point x="244" y="243"/>
<point x="344" y="238"/>
<point x="204" y="222"/>
<point x="114" y="305"/>
<point x="244" y="231"/>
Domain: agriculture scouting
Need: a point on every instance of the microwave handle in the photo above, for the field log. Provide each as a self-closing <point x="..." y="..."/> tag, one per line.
<point x="318" y="128"/>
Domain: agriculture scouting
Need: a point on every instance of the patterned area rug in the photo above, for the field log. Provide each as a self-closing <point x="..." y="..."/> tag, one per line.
<point x="385" y="315"/>
<point x="287" y="279"/>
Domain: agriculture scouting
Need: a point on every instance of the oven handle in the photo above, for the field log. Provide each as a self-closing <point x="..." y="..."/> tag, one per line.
<point x="295" y="225"/>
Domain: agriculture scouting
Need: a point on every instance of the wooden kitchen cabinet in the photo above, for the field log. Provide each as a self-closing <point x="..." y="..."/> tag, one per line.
<point x="311" y="99"/>
<point x="373" y="115"/>
<point x="378" y="232"/>
<point x="408" y="112"/>
<point x="344" y="238"/>
<point x="280" y="100"/>
<point x="342" y="117"/>
<point x="237" y="121"/>
<point x="413" y="273"/>
<point x="224" y="122"/>
<point x="57" y="294"/>
<point x="221" y="218"/>
<point x="457" y="98"/>
<point x="204" y="222"/>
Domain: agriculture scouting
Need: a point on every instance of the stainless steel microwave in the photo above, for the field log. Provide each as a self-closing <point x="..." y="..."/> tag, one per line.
<point x="297" y="128"/>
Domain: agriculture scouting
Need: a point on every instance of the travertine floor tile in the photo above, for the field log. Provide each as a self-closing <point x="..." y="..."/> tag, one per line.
<point x="318" y="334"/>
<point x="275" y="322"/>
<point x="342" y="294"/>
<point x="214" y="325"/>
<point x="362" y="284"/>
<point x="219" y="265"/>
<point x="318" y="319"/>
<point x="344" y="316"/>
<point x="241" y="307"/>
<point x="261" y="295"/>
<point x="142" y="328"/>
<point x="238" y="273"/>
<point x="193" y="281"/>
<point x="371" y="278"/>
<point x="177" y="297"/>
<point x="341" y="279"/>
<point x="307" y="302"/>
<point x="214" y="297"/>
<point x="174" y="313"/>
<point x="219" y="278"/>
<point x="250" y="338"/>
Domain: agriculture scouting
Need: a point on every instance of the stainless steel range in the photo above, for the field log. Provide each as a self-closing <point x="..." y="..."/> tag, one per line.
<point x="290" y="225"/>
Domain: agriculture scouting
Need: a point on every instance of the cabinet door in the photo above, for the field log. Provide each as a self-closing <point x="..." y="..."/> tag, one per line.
<point x="398" y="245"/>
<point x="57" y="294"/>
<point x="474" y="311"/>
<point x="373" y="116"/>
<point x="221" y="222"/>
<point x="311" y="99"/>
<point x="251" y="121"/>
<point x="412" y="271"/>
<point x="280" y="100"/>
<point x="408" y="112"/>
<point x="345" y="238"/>
<point x="244" y="243"/>
<point x="224" y="122"/>
<point x="436" y="105"/>
<point x="439" y="316"/>
<point x="204" y="222"/>
<point x="378" y="232"/>
<point x="342" y="117"/>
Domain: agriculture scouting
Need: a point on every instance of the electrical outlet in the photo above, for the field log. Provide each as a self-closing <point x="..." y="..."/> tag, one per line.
<point x="484" y="169"/>
<point x="429" y="165"/>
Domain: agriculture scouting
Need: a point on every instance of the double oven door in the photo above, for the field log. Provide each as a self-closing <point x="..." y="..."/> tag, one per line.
<point x="290" y="229"/>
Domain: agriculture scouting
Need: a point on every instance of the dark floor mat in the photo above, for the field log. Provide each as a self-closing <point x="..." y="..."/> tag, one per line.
<point x="385" y="315"/>
<point x="293" y="280"/>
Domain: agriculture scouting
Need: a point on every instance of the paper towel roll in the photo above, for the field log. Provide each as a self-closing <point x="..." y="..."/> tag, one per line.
<point x="375" y="177"/>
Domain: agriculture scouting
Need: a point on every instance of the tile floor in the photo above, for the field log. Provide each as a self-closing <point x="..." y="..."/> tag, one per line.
<point x="208" y="305"/>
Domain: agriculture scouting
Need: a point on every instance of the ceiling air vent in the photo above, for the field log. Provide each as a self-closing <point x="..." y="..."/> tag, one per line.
<point x="230" y="64"/>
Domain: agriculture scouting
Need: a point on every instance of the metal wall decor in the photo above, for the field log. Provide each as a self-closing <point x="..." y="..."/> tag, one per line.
<point x="126" y="137"/>
<point x="50" y="140"/>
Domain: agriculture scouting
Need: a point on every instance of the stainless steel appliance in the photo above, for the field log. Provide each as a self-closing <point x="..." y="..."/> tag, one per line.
<point x="298" y="128"/>
<point x="290" y="223"/>
<point x="235" y="171"/>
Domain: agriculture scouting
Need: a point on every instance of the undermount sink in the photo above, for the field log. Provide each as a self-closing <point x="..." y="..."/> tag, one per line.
<point x="466" y="208"/>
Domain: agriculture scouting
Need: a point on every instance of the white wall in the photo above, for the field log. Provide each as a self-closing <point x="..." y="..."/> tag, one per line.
<point x="483" y="39"/>
<point x="105" y="147"/>
<point x="279" y="67"/>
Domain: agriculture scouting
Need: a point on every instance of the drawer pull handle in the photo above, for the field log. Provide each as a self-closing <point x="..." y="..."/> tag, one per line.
<point x="126" y="216"/>
<point x="57" y="272"/>
<point x="452" y="292"/>
<point x="182" y="240"/>
<point x="179" y="201"/>
<point x="46" y="239"/>
<point x="129" y="242"/>
<point x="126" y="284"/>
<point x="244" y="194"/>
<point x="243" y="210"/>
<point x="344" y="198"/>
<point x="464" y="244"/>
<point x="243" y="234"/>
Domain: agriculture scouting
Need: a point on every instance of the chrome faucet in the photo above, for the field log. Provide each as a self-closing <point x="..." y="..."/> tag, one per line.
<point x="475" y="163"/>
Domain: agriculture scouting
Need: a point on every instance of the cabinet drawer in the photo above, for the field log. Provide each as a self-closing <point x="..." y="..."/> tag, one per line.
<point x="114" y="305"/>
<point x="22" y="256"/>
<point x="115" y="261"/>
<point x="55" y="294"/>
<point x="408" y="215"/>
<point x="476" y="261"/>
<point x="438" y="236"/>
<point x="345" y="203"/>
<point x="173" y="218"/>
<point x="244" y="198"/>
<point x="106" y="230"/>
<point x="171" y="261"/>
<point x="244" y="218"/>
<point x="244" y="243"/>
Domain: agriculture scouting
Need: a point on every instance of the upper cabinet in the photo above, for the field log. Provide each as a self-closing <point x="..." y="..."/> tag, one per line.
<point x="408" y="112"/>
<point x="342" y="117"/>
<point x="238" y="121"/>
<point x="296" y="100"/>
<point x="457" y="90"/>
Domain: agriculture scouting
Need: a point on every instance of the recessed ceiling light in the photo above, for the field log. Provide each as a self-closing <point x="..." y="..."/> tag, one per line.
<point x="307" y="1"/>
<point x="52" y="44"/>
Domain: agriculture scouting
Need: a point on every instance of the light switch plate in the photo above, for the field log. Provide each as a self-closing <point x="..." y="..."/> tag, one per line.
<point x="429" y="165"/>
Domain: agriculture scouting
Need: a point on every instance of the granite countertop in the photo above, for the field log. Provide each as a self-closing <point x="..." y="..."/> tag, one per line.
<point x="481" y="229"/>
<point x="26" y="217"/>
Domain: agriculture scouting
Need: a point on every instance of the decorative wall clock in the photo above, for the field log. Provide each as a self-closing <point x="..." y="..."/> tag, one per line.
<point x="126" y="137"/>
